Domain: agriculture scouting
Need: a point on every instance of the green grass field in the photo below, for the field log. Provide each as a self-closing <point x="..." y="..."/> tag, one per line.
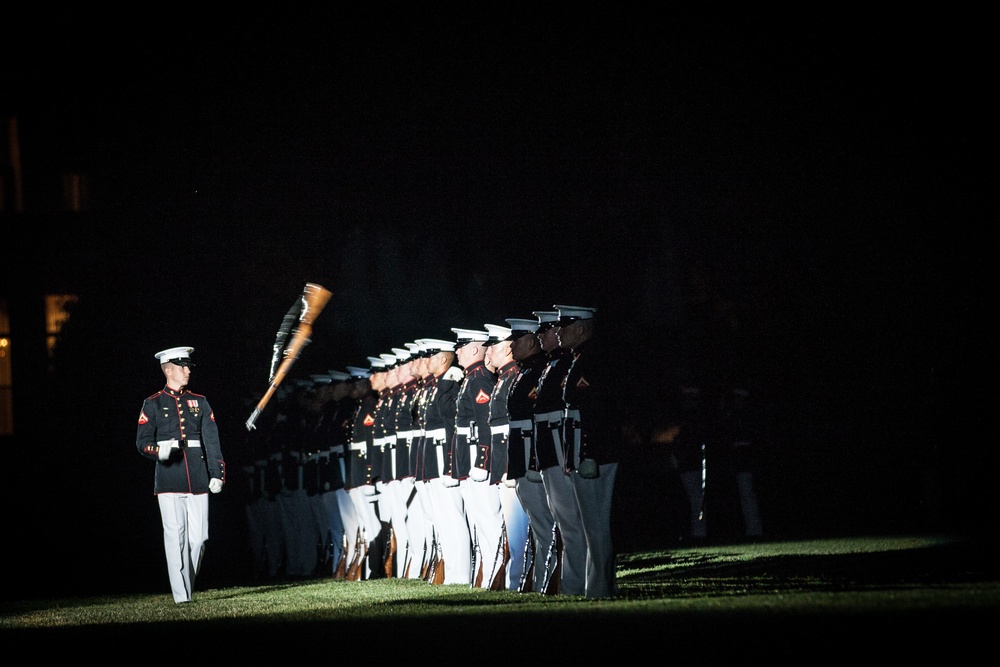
<point x="907" y="594"/>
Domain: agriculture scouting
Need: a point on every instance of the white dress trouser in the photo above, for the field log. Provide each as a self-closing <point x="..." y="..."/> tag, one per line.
<point x="485" y="515"/>
<point x="562" y="501"/>
<point x="543" y="533"/>
<point x="418" y="528"/>
<point x="396" y="493"/>
<point x="515" y="521"/>
<point x="594" y="497"/>
<point x="352" y="524"/>
<point x="185" y="531"/>
<point x="364" y="507"/>
<point x="452" y="529"/>
<point x="334" y="528"/>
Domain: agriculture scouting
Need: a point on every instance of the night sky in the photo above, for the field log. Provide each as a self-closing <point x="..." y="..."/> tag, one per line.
<point x="823" y="173"/>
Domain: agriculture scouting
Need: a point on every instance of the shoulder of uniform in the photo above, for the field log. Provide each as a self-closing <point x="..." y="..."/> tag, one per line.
<point x="195" y="394"/>
<point x="153" y="396"/>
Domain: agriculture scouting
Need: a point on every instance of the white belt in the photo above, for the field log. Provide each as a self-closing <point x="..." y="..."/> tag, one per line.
<point x="523" y="424"/>
<point x="554" y="416"/>
<point x="466" y="431"/>
<point x="439" y="457"/>
<point x="337" y="449"/>
<point x="557" y="441"/>
<point x="379" y="442"/>
<point x="404" y="435"/>
<point x="500" y="429"/>
<point x="187" y="443"/>
<point x="359" y="446"/>
<point x="573" y="414"/>
<point x="436" y="434"/>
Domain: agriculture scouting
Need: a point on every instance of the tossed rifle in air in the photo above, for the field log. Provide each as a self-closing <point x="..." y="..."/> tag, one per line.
<point x="305" y="310"/>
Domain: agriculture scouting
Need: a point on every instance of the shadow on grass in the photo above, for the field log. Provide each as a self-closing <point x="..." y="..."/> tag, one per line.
<point x="920" y="597"/>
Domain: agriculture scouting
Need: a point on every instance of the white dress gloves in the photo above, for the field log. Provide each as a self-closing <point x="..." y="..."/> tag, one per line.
<point x="588" y="469"/>
<point x="165" y="447"/>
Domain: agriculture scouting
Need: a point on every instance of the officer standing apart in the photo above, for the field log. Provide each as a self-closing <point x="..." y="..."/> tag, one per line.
<point x="177" y="430"/>
<point x="591" y="458"/>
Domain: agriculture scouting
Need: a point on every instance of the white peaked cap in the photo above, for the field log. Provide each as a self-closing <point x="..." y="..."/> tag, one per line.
<point x="175" y="355"/>
<point x="497" y="332"/>
<point x="518" y="324"/>
<point x="437" y="344"/>
<point x="470" y="334"/>
<point x="570" y="313"/>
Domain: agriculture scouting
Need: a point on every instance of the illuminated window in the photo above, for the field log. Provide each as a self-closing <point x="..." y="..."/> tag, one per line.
<point x="6" y="398"/>
<point x="57" y="312"/>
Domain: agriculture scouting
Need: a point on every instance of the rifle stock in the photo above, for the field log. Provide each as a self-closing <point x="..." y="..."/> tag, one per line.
<point x="389" y="564"/>
<point x="314" y="299"/>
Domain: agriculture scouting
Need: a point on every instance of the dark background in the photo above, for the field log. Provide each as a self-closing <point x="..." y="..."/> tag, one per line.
<point x="822" y="176"/>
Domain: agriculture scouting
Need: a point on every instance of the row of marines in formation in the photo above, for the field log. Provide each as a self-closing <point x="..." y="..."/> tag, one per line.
<point x="482" y="460"/>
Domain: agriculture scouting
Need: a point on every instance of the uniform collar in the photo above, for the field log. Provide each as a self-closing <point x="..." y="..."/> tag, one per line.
<point x="478" y="363"/>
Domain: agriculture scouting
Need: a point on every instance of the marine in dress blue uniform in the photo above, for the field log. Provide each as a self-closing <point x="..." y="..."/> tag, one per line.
<point x="409" y="436"/>
<point x="591" y="456"/>
<point x="510" y="559"/>
<point x="418" y="459"/>
<point x="550" y="411"/>
<point x="339" y="447"/>
<point x="177" y="431"/>
<point x="527" y="352"/>
<point x="451" y="528"/>
<point x="394" y="493"/>
<point x="380" y="542"/>
<point x="288" y="439"/>
<point x="472" y="416"/>
<point x="357" y="481"/>
<point x="331" y="437"/>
